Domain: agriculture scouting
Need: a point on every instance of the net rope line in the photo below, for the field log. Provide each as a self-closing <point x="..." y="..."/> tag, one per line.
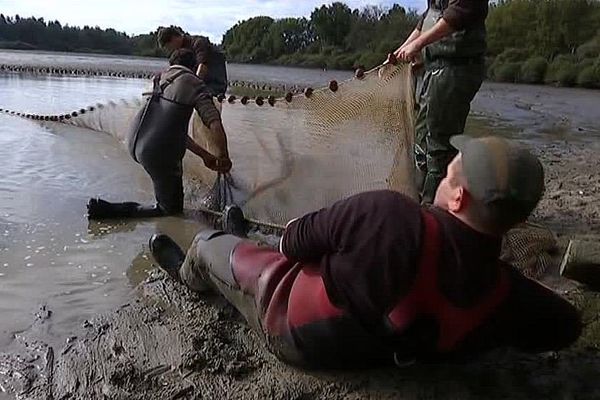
<point x="68" y="117"/>
<point x="379" y="100"/>
<point x="62" y="69"/>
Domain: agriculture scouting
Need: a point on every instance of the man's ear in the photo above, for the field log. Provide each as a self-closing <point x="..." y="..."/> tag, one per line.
<point x="459" y="200"/>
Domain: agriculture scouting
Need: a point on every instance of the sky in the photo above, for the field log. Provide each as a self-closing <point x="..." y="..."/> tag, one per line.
<point x="209" y="18"/>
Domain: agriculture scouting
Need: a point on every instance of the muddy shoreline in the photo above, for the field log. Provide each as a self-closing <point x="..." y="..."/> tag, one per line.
<point x="170" y="343"/>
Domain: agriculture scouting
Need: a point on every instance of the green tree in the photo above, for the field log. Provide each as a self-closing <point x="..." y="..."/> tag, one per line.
<point x="288" y="36"/>
<point x="243" y="42"/>
<point x="332" y="23"/>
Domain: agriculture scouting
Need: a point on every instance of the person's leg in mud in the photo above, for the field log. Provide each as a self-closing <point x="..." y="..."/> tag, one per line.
<point x="283" y="301"/>
<point x="208" y="265"/>
<point x="449" y="92"/>
<point x="168" y="190"/>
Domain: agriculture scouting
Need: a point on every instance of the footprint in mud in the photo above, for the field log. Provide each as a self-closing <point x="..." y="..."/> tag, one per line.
<point x="217" y="350"/>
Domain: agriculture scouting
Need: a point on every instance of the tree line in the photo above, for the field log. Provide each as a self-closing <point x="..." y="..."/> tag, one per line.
<point x="531" y="41"/>
<point x="334" y="37"/>
<point x="37" y="34"/>
<point x="545" y="41"/>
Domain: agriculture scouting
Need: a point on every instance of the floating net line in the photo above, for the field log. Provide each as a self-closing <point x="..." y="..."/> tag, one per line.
<point x="295" y="154"/>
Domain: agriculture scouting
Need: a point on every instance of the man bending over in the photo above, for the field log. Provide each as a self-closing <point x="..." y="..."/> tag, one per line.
<point x="159" y="138"/>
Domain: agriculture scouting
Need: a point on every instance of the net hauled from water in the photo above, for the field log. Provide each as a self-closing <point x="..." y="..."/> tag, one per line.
<point x="297" y="154"/>
<point x="300" y="153"/>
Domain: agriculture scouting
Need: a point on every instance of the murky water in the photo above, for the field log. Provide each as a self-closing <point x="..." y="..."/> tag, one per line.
<point x="48" y="252"/>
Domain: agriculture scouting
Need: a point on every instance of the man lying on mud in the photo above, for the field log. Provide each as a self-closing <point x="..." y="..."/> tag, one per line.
<point x="159" y="138"/>
<point x="377" y="278"/>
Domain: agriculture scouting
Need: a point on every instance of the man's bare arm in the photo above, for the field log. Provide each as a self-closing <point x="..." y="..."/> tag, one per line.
<point x="439" y="31"/>
<point x="413" y="36"/>
<point x="220" y="139"/>
<point x="216" y="164"/>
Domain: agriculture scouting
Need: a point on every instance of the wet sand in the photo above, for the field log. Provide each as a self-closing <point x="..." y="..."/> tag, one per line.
<point x="170" y="343"/>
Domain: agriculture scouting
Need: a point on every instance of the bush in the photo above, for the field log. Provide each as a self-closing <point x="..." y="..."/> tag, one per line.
<point x="534" y="70"/>
<point x="562" y="71"/>
<point x="587" y="62"/>
<point x="512" y="55"/>
<point x="328" y="50"/>
<point x="508" y="72"/>
<point x="509" y="56"/>
<point x="342" y="61"/>
<point x="567" y="75"/>
<point x="589" y="49"/>
<point x="371" y="59"/>
<point x="589" y="77"/>
<point x="563" y="58"/>
<point x="489" y="61"/>
<point x="313" y="61"/>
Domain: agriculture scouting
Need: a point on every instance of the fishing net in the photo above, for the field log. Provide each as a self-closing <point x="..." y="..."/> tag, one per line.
<point x="530" y="248"/>
<point x="301" y="153"/>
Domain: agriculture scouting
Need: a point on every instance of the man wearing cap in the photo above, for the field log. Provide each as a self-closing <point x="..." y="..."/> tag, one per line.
<point x="378" y="278"/>
<point x="209" y="65"/>
<point x="450" y="40"/>
<point x="209" y="62"/>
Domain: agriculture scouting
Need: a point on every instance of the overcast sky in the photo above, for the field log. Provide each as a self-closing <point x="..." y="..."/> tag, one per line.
<point x="210" y="18"/>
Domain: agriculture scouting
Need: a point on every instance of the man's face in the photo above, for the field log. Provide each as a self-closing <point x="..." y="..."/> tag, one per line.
<point x="450" y="192"/>
<point x="175" y="43"/>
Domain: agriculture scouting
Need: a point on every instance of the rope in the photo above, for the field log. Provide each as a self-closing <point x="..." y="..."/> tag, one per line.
<point x="255" y="222"/>
<point x="225" y="184"/>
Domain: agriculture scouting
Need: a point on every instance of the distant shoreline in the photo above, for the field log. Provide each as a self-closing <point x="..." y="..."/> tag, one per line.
<point x="146" y="71"/>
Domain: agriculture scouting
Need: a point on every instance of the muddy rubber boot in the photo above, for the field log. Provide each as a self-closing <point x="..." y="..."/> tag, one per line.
<point x="102" y="209"/>
<point x="167" y="254"/>
<point x="234" y="221"/>
<point x="581" y="263"/>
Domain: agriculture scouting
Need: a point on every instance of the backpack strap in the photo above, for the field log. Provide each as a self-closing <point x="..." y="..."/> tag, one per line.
<point x="172" y="79"/>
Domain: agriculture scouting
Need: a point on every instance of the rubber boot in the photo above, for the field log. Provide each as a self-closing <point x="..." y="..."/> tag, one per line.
<point x="168" y="255"/>
<point x="101" y="209"/>
<point x="234" y="222"/>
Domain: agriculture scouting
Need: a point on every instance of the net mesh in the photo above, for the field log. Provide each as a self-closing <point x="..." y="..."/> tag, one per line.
<point x="530" y="248"/>
<point x="297" y="156"/>
<point x="294" y="157"/>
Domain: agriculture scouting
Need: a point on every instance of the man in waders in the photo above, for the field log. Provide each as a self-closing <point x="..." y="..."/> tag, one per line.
<point x="209" y="61"/>
<point x="379" y="279"/>
<point x="209" y="65"/>
<point x="159" y="138"/>
<point x="451" y="41"/>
